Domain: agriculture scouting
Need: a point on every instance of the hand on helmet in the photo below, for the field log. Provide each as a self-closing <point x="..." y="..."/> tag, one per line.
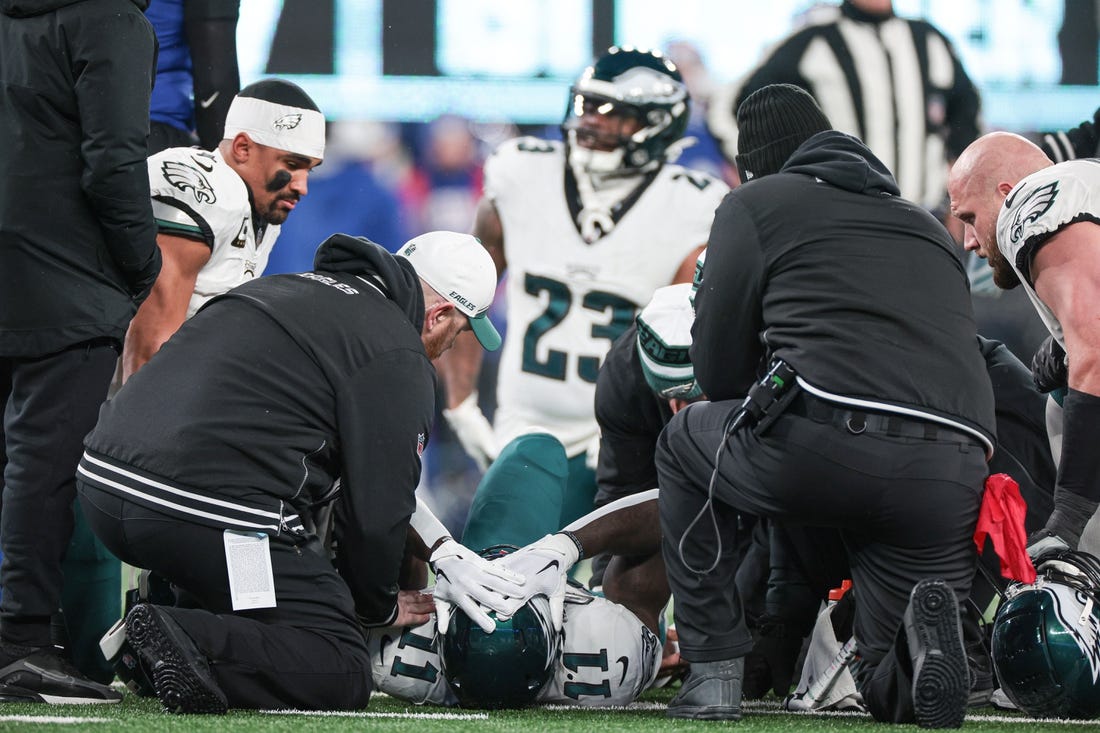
<point x="474" y="584"/>
<point x="413" y="608"/>
<point x="1064" y="525"/>
<point x="544" y="566"/>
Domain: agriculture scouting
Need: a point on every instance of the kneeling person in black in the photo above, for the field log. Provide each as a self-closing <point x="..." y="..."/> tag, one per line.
<point x="885" y="437"/>
<point x="284" y="395"/>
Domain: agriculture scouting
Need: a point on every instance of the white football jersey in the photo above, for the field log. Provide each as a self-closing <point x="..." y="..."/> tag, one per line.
<point x="567" y="300"/>
<point x="197" y="195"/>
<point x="608" y="657"/>
<point x="1037" y="208"/>
<point x="405" y="664"/>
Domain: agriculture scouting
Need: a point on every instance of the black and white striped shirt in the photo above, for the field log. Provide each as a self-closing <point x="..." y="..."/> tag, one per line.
<point x="1082" y="141"/>
<point x="892" y="82"/>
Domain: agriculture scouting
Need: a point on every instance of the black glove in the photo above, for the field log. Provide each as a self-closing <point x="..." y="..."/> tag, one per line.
<point x="1065" y="525"/>
<point x="1048" y="366"/>
<point x="139" y="282"/>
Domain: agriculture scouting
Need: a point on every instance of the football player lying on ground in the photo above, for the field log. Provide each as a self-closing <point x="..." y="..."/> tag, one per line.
<point x="647" y="377"/>
<point x="560" y="644"/>
<point x="1020" y="452"/>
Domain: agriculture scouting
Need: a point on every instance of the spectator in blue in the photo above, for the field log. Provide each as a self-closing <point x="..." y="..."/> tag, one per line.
<point x="705" y="154"/>
<point x="197" y="72"/>
<point x="448" y="172"/>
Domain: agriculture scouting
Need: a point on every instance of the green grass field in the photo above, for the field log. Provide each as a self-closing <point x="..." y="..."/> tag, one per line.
<point x="385" y="713"/>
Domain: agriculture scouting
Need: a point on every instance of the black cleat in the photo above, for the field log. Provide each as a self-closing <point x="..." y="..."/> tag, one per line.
<point x="42" y="674"/>
<point x="711" y="691"/>
<point x="122" y="657"/>
<point x="182" y="676"/>
<point x="941" y="682"/>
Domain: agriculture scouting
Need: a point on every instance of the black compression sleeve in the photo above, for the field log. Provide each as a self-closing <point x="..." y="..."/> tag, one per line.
<point x="217" y="79"/>
<point x="1079" y="471"/>
<point x="1085" y="138"/>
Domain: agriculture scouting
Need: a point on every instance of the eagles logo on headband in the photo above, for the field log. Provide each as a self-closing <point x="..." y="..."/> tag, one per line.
<point x="287" y="122"/>
<point x="280" y="115"/>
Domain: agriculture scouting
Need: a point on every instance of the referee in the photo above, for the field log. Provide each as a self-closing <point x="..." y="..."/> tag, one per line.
<point x="894" y="83"/>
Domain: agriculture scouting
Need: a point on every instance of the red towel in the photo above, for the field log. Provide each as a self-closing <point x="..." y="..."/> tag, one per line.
<point x="1002" y="520"/>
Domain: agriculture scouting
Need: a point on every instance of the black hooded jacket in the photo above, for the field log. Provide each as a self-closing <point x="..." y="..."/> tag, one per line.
<point x="271" y="394"/>
<point x="77" y="237"/>
<point x="631" y="416"/>
<point x="862" y="292"/>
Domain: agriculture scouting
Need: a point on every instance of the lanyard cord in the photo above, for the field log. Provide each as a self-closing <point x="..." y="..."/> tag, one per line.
<point x="709" y="505"/>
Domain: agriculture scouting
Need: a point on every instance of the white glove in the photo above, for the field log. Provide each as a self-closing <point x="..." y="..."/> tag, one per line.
<point x="544" y="566"/>
<point x="592" y="453"/>
<point x="472" y="583"/>
<point x="473" y="431"/>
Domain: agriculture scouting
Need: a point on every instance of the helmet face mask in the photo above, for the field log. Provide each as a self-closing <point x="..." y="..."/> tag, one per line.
<point x="507" y="668"/>
<point x="625" y="111"/>
<point x="615" y="122"/>
<point x="1046" y="639"/>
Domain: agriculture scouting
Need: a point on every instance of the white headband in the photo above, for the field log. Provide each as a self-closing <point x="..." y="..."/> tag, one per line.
<point x="294" y="129"/>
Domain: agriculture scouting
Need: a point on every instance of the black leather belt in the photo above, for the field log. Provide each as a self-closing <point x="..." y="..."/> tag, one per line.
<point x="878" y="423"/>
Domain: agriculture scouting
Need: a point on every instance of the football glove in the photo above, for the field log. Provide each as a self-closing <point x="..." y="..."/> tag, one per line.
<point x="473" y="431"/>
<point x="1065" y="524"/>
<point x="544" y="566"/>
<point x="1043" y="541"/>
<point x="1048" y="366"/>
<point x="474" y="584"/>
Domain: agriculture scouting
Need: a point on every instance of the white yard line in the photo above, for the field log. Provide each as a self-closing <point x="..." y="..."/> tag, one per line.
<point x="752" y="707"/>
<point x="1006" y="719"/>
<point x="53" y="719"/>
<point x="772" y="707"/>
<point x="405" y="715"/>
<point x="599" y="708"/>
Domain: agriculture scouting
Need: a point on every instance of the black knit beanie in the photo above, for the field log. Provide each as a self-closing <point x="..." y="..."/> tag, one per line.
<point x="772" y="122"/>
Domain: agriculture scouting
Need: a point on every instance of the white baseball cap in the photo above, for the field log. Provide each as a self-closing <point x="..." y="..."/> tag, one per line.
<point x="460" y="269"/>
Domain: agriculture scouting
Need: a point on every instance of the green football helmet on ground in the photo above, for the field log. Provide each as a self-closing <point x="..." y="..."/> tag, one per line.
<point x="1046" y="639"/>
<point x="627" y="83"/>
<point x="504" y="669"/>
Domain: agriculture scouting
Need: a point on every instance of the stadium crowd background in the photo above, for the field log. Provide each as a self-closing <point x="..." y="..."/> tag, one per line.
<point x="418" y="92"/>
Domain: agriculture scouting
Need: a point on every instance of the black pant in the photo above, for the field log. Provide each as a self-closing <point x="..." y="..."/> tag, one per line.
<point x="906" y="508"/>
<point x="50" y="404"/>
<point x="308" y="652"/>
